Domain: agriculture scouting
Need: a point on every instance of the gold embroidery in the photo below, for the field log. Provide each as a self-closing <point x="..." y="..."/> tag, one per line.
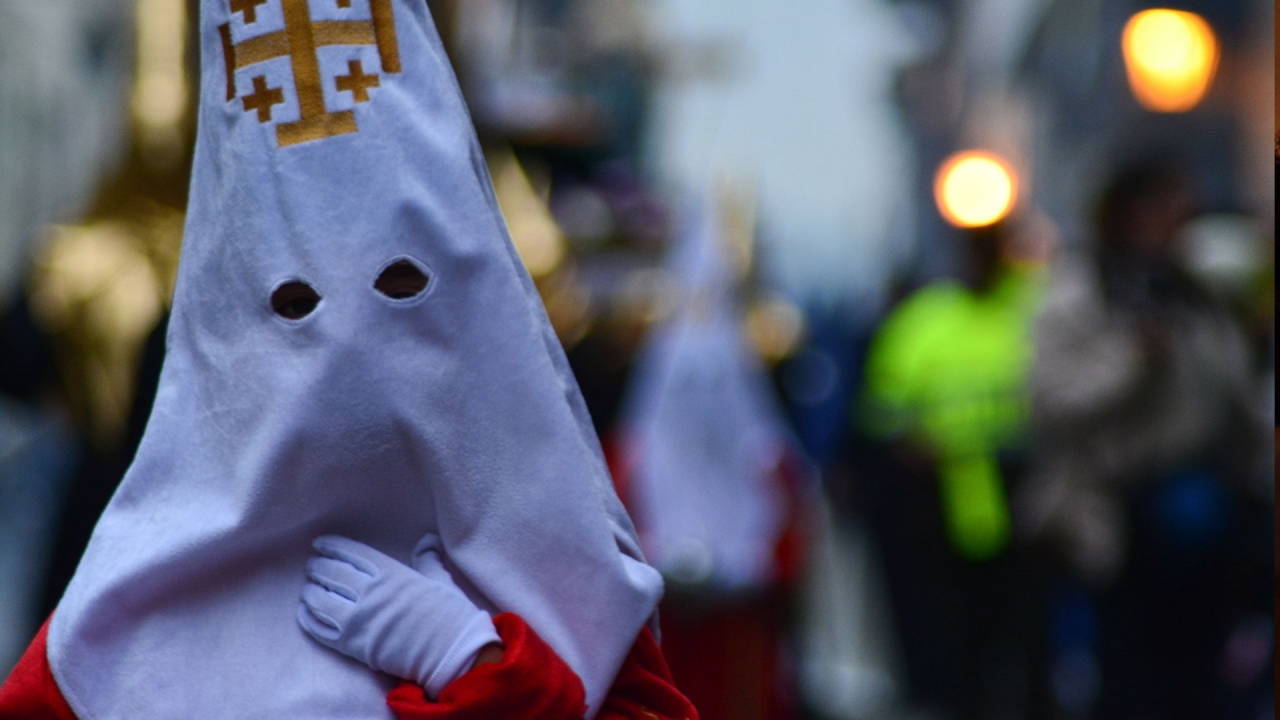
<point x="384" y="27"/>
<point x="229" y="55"/>
<point x="302" y="51"/>
<point x="315" y="128"/>
<point x="263" y="98"/>
<point x="298" y="41"/>
<point x="264" y="47"/>
<point x="343" y="32"/>
<point x="357" y="82"/>
<point x="248" y="7"/>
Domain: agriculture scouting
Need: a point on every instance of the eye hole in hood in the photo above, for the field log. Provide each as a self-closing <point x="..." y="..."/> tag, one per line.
<point x="294" y="300"/>
<point x="401" y="280"/>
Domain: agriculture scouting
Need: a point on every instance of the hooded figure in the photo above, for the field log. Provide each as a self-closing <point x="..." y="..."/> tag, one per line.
<point x="355" y="349"/>
<point x="704" y="432"/>
<point x="714" y="482"/>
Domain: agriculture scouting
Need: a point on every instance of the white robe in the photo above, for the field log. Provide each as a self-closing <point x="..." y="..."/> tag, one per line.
<point x="379" y="419"/>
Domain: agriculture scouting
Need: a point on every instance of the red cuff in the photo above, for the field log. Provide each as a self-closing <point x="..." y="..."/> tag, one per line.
<point x="531" y="682"/>
<point x="30" y="693"/>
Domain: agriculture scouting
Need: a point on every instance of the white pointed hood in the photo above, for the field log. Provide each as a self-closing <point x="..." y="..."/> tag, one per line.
<point x="703" y="430"/>
<point x="333" y="141"/>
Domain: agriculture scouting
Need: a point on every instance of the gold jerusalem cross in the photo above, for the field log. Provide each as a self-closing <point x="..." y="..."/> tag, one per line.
<point x="298" y="41"/>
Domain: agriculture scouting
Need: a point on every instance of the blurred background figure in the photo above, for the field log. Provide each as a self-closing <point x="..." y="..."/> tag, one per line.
<point x="1146" y="396"/>
<point x="987" y="351"/>
<point x="712" y="478"/>
<point x="946" y="395"/>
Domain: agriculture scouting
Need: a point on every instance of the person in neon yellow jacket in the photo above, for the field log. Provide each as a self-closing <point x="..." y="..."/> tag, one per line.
<point x="948" y="372"/>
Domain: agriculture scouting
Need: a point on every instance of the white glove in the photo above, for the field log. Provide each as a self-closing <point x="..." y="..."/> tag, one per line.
<point x="414" y="625"/>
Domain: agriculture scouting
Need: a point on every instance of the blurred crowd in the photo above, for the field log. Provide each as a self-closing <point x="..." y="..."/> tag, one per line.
<point x="890" y="464"/>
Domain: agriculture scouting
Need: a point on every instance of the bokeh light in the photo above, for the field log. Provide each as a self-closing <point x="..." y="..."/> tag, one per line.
<point x="1170" y="57"/>
<point x="534" y="232"/>
<point x="160" y="94"/>
<point x="775" y="326"/>
<point x="975" y="188"/>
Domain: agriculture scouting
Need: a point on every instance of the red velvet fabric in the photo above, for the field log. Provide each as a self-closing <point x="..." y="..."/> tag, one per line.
<point x="30" y="693"/>
<point x="727" y="658"/>
<point x="531" y="682"/>
<point x="643" y="689"/>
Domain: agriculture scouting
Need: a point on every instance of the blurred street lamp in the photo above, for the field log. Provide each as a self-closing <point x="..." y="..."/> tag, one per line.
<point x="1170" y="57"/>
<point x="975" y="188"/>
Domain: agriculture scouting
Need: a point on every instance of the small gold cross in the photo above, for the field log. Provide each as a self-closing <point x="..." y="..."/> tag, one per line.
<point x="357" y="82"/>
<point x="248" y="7"/>
<point x="263" y="98"/>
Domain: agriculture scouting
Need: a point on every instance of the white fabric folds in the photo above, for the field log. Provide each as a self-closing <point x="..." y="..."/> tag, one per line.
<point x="340" y="146"/>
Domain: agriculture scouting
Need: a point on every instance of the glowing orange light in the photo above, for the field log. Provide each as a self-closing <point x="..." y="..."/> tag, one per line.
<point x="1170" y="56"/>
<point x="974" y="188"/>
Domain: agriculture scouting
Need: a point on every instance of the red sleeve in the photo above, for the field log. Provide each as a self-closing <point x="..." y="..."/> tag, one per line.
<point x="533" y="683"/>
<point x="530" y="682"/>
<point x="644" y="689"/>
<point x="30" y="693"/>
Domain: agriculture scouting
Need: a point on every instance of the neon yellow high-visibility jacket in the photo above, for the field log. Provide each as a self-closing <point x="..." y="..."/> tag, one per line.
<point x="948" y="369"/>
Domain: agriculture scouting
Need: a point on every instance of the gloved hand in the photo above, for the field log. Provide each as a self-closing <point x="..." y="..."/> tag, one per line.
<point x="413" y="624"/>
